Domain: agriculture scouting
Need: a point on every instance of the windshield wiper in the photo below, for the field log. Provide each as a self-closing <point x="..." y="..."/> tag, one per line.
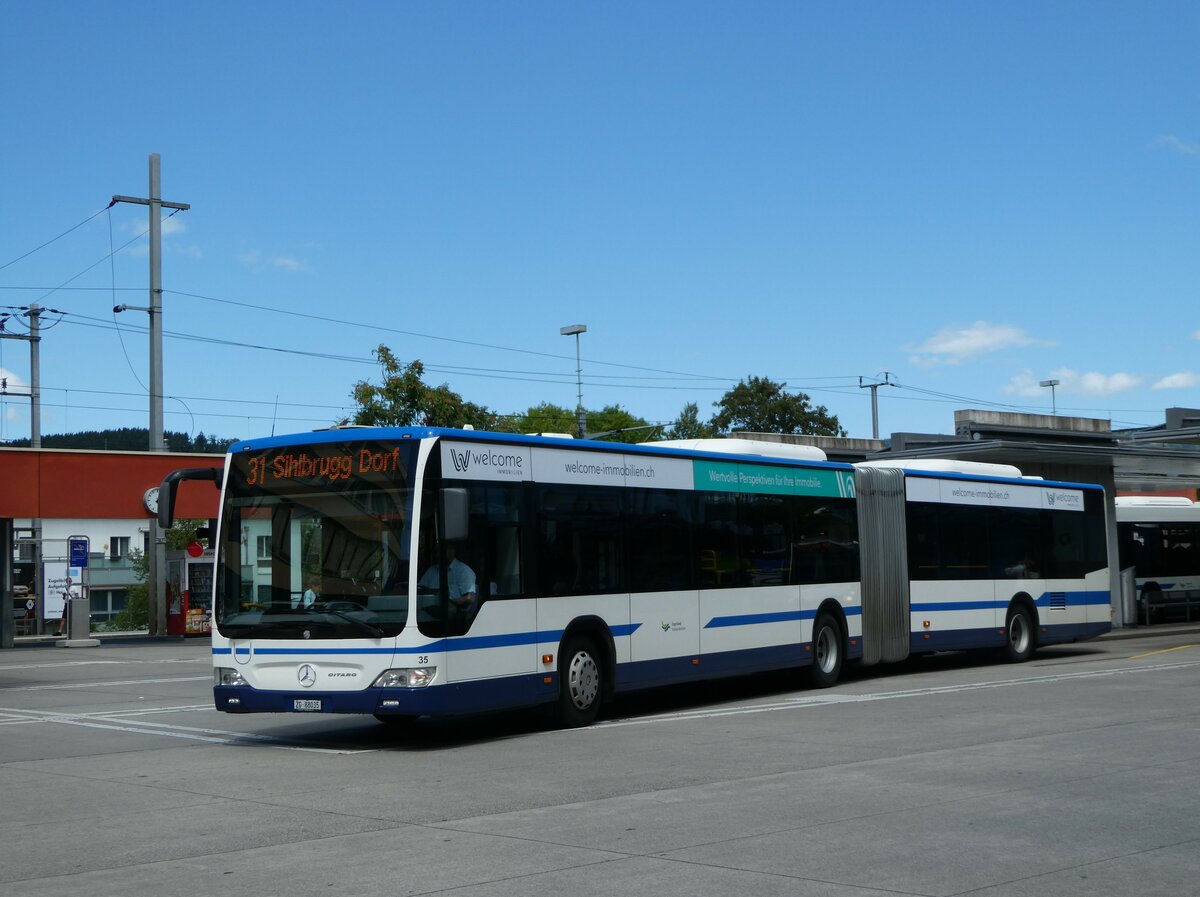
<point x="234" y="630"/>
<point x="373" y="630"/>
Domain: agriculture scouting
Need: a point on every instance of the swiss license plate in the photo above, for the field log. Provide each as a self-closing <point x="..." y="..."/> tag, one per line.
<point x="306" y="704"/>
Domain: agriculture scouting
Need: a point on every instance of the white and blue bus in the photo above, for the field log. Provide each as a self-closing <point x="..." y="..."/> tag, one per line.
<point x="1159" y="536"/>
<point x="409" y="572"/>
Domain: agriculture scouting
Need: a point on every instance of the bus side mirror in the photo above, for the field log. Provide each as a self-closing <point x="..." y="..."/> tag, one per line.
<point x="170" y="483"/>
<point x="456" y="511"/>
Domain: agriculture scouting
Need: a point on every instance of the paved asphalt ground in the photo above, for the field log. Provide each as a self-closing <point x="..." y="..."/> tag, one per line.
<point x="1075" y="774"/>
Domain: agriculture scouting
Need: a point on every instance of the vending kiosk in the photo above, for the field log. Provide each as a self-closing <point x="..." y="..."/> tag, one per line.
<point x="189" y="590"/>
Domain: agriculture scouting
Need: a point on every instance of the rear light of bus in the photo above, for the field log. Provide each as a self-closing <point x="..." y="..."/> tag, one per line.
<point x="226" y="676"/>
<point x="408" y="678"/>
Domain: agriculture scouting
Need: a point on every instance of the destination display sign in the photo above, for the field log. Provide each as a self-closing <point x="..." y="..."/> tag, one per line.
<point x="323" y="466"/>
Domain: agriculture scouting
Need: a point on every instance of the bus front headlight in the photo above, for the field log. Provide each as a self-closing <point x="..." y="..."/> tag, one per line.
<point x="418" y="677"/>
<point x="226" y="676"/>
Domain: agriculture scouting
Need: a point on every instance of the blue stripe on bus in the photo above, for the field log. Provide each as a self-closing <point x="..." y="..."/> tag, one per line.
<point x="1077" y="599"/>
<point x="446" y="644"/>
<point x="1072" y="599"/>
<point x="474" y="643"/>
<point x="786" y="616"/>
<point x="955" y="605"/>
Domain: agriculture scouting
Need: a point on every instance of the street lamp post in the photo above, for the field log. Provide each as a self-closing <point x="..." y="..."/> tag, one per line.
<point x="580" y="416"/>
<point x="1053" y="398"/>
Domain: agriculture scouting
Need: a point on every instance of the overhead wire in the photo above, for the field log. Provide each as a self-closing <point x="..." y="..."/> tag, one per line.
<point x="447" y="339"/>
<point x="112" y="267"/>
<point x="59" y="237"/>
<point x="595" y="379"/>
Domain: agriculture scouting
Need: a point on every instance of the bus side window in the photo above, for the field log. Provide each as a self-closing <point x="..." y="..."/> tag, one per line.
<point x="717" y="562"/>
<point x="659" y="537"/>
<point x="493" y="545"/>
<point x="579" y="541"/>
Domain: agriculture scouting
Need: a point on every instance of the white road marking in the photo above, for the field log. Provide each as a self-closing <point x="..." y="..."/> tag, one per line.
<point x="206" y="660"/>
<point x="112" y="722"/>
<point x="104" y="683"/>
<point x="828" y="698"/>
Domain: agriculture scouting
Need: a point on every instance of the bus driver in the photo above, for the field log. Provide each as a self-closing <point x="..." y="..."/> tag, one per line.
<point x="460" y="580"/>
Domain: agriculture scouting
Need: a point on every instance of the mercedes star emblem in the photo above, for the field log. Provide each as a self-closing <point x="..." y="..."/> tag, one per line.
<point x="307" y="674"/>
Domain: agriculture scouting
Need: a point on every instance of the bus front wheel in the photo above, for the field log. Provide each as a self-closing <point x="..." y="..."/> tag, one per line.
<point x="827" y="651"/>
<point x="1019" y="635"/>
<point x="580" y="683"/>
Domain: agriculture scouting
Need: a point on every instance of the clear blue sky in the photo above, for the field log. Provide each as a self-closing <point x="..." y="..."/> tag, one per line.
<point x="971" y="196"/>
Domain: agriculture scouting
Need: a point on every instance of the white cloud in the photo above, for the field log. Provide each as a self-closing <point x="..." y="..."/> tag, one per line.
<point x="1180" y="146"/>
<point x="1024" y="384"/>
<point x="1196" y="335"/>
<point x="953" y="345"/>
<point x="1092" y="383"/>
<point x="192" y="251"/>
<point x="18" y="388"/>
<point x="257" y="259"/>
<point x="1097" y="384"/>
<point x="1181" y="380"/>
<point x="16" y="385"/>
<point x="170" y="226"/>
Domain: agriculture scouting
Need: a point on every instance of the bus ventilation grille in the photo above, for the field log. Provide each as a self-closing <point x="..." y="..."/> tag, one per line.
<point x="1057" y="600"/>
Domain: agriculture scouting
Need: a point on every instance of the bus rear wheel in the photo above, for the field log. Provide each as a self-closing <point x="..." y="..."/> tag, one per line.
<point x="827" y="654"/>
<point x="1019" y="635"/>
<point x="580" y="683"/>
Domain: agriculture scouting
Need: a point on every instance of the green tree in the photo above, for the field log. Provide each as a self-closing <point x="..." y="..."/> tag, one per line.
<point x="612" y="419"/>
<point x="543" y="418"/>
<point x="135" y="616"/>
<point x="689" y="426"/>
<point x="404" y="399"/>
<point x="623" y="425"/>
<point x="760" y="405"/>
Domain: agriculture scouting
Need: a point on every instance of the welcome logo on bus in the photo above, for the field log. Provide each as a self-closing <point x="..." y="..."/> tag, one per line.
<point x="1060" y="500"/>
<point x="472" y="459"/>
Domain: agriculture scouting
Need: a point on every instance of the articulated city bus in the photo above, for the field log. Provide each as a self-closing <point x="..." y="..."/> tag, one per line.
<point x="410" y="572"/>
<point x="1159" y="536"/>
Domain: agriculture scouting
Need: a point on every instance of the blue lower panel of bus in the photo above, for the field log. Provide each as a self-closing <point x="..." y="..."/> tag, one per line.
<point x="465" y="697"/>
<point x="672" y="670"/>
<point x="1072" y="632"/>
<point x="966" y="639"/>
<point x="514" y="691"/>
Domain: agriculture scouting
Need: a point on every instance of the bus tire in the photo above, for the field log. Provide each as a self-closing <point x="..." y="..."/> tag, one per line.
<point x="827" y="651"/>
<point x="580" y="683"/>
<point x="1019" y="636"/>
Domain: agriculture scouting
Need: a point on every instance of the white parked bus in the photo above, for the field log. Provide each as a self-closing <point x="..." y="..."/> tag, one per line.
<point x="409" y="572"/>
<point x="1159" y="536"/>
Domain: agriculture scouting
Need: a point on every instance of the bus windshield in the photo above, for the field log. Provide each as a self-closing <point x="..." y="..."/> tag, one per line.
<point x="314" y="542"/>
